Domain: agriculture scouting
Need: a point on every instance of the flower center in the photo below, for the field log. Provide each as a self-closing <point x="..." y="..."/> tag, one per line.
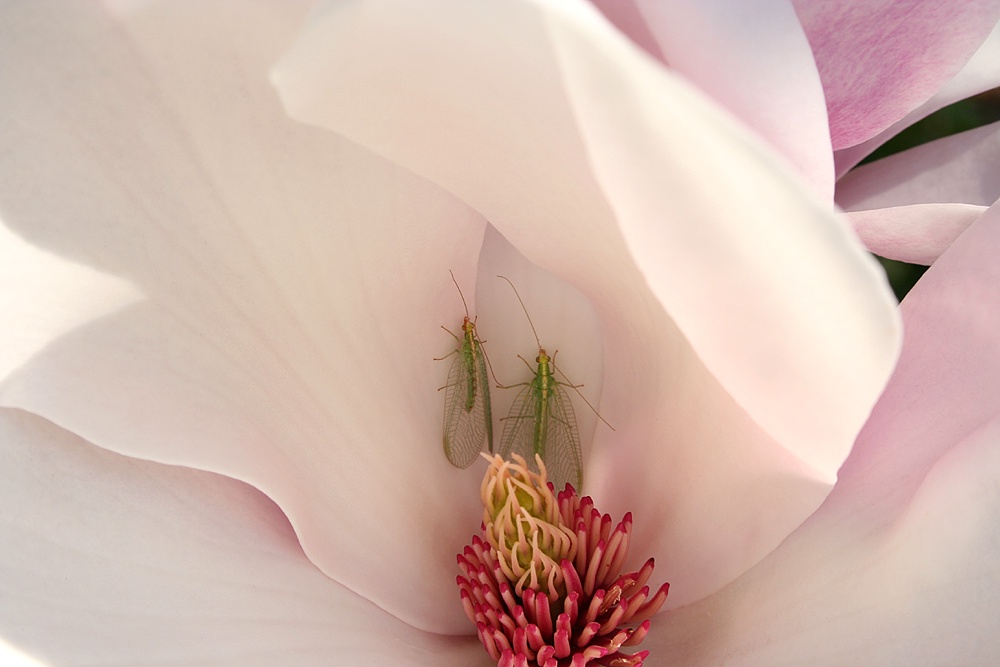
<point x="542" y="584"/>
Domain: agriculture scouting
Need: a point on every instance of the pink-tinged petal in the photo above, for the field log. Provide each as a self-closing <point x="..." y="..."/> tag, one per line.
<point x="685" y="234"/>
<point x="880" y="60"/>
<point x="916" y="234"/>
<point x="108" y="560"/>
<point x="980" y="74"/>
<point x="294" y="283"/>
<point x="900" y="566"/>
<point x="961" y="169"/>
<point x="944" y="387"/>
<point x="753" y="59"/>
<point x="910" y="206"/>
<point x="634" y="23"/>
<point x="636" y="160"/>
<point x="920" y="590"/>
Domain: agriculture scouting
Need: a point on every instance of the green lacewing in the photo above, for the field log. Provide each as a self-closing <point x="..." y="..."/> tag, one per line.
<point x="468" y="415"/>
<point x="541" y="420"/>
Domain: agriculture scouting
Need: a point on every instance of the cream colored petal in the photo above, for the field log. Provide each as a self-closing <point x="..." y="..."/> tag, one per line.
<point x="108" y="560"/>
<point x="900" y="565"/>
<point x="295" y="284"/>
<point x="690" y="240"/>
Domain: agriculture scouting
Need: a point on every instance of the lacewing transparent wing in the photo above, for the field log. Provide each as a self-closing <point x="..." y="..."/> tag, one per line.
<point x="541" y="421"/>
<point x="468" y="414"/>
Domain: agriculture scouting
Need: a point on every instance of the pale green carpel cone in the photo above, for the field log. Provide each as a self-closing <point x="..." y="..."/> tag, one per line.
<point x="524" y="527"/>
<point x="543" y="584"/>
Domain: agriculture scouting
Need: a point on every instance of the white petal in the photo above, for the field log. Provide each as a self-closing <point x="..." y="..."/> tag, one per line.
<point x="65" y="296"/>
<point x="608" y="172"/>
<point x="295" y="283"/>
<point x="900" y="566"/>
<point x="107" y="560"/>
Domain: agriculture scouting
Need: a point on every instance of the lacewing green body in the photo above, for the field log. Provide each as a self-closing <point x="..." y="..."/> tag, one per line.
<point x="468" y="415"/>
<point x="541" y="421"/>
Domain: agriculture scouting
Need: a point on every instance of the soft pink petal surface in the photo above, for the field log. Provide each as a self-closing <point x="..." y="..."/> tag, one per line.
<point x="916" y="234"/>
<point x="294" y="284"/>
<point x="108" y="560"/>
<point x="912" y="205"/>
<point x="753" y="59"/>
<point x="687" y="236"/>
<point x="880" y="60"/>
<point x="900" y="565"/>
<point x="980" y="74"/>
<point x="961" y="169"/>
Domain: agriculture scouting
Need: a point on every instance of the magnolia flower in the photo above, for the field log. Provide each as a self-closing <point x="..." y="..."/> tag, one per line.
<point x="199" y="280"/>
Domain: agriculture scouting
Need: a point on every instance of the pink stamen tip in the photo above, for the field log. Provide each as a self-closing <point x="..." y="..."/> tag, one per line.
<point x="571" y="606"/>
<point x="594" y="652"/>
<point x="543" y="613"/>
<point x="614" y="619"/>
<point x="638" y="634"/>
<point x="571" y="578"/>
<point x="509" y="626"/>
<point x="639" y="578"/>
<point x="543" y="581"/>
<point x="587" y="634"/>
<point x="521" y="644"/>
<point x="590" y="578"/>
<point x="654" y="604"/>
<point x="535" y="639"/>
<point x="561" y="643"/>
<point x="467" y="605"/>
<point x="635" y="604"/>
<point x="507" y="593"/>
<point x="596" y="605"/>
<point x="486" y="637"/>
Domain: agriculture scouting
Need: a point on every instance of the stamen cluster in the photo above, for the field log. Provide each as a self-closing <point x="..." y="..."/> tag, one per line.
<point x="542" y="584"/>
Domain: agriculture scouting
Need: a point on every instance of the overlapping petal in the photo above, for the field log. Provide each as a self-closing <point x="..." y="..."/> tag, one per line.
<point x="686" y="235"/>
<point x="65" y="295"/>
<point x="900" y="564"/>
<point x="979" y="74"/>
<point x="962" y="169"/>
<point x="292" y="286"/>
<point x="910" y="206"/>
<point x="108" y="560"/>
<point x="880" y="60"/>
<point x="916" y="234"/>
<point x="293" y="283"/>
<point x="753" y="59"/>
